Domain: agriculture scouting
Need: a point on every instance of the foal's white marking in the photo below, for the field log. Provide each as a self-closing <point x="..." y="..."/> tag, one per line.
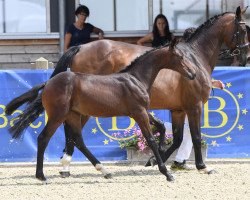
<point x="100" y="167"/>
<point x="65" y="160"/>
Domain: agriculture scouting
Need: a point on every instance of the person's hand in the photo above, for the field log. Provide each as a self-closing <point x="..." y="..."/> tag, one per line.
<point x="218" y="84"/>
<point x="100" y="35"/>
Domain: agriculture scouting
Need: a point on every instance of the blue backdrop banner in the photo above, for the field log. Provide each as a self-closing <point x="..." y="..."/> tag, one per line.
<point x="225" y="121"/>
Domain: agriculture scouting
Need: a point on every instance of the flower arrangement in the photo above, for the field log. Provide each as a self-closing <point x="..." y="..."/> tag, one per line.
<point x="139" y="142"/>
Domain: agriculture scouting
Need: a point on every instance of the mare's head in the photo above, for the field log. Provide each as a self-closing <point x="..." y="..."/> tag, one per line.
<point x="180" y="62"/>
<point x="248" y="36"/>
<point x="235" y="35"/>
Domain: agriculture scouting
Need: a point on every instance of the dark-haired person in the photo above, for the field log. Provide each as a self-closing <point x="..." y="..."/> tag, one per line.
<point x="79" y="32"/>
<point x="160" y="35"/>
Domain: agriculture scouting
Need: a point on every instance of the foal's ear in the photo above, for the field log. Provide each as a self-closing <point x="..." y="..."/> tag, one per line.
<point x="173" y="43"/>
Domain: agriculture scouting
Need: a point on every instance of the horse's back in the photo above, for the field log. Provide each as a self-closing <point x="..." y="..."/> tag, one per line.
<point x="57" y="91"/>
<point x="105" y="56"/>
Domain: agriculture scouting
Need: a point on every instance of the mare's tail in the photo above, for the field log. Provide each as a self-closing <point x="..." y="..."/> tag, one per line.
<point x="31" y="95"/>
<point x="65" y="60"/>
<point x="30" y="114"/>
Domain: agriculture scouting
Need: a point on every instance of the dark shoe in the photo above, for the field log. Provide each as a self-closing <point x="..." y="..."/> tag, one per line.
<point x="180" y="166"/>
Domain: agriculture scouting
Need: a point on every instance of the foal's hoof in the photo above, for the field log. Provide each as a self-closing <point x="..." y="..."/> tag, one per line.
<point x="170" y="178"/>
<point x="207" y="171"/>
<point x="212" y="171"/>
<point x="46" y="182"/>
<point x="64" y="174"/>
<point x="108" y="176"/>
<point x="151" y="162"/>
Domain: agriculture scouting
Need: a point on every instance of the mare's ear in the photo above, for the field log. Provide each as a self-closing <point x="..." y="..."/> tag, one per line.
<point x="238" y="13"/>
<point x="173" y="43"/>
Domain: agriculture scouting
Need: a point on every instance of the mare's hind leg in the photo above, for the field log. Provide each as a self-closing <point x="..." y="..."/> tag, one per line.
<point x="143" y="121"/>
<point x="42" y="142"/>
<point x="75" y="123"/>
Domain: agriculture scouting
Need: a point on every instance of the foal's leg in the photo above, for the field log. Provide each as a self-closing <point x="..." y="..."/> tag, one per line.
<point x="68" y="151"/>
<point x="69" y="148"/>
<point x="143" y="121"/>
<point x="76" y="122"/>
<point x="178" y="118"/>
<point x="42" y="142"/>
<point x="161" y="128"/>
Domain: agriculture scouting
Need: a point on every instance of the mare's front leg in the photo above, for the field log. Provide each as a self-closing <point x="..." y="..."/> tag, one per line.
<point x="194" y="118"/>
<point x="178" y="118"/>
<point x="143" y="121"/>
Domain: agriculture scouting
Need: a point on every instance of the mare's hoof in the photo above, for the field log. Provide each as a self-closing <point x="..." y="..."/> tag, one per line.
<point x="151" y="162"/>
<point x="170" y="178"/>
<point x="108" y="176"/>
<point x="43" y="179"/>
<point x="64" y="174"/>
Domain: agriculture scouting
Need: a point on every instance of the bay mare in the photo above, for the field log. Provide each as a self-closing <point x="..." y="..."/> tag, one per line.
<point x="170" y="90"/>
<point x="73" y="97"/>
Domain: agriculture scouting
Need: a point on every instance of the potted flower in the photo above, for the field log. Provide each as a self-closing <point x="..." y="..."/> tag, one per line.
<point x="137" y="147"/>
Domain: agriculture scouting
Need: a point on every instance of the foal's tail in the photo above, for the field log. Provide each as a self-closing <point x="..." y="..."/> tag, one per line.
<point x="27" y="97"/>
<point x="65" y="60"/>
<point x="30" y="114"/>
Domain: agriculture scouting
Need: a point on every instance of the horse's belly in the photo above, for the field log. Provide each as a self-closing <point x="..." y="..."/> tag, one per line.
<point x="101" y="111"/>
<point x="101" y="106"/>
<point x="165" y="104"/>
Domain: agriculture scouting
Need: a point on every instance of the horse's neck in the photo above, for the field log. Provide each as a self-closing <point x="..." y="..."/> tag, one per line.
<point x="207" y="47"/>
<point x="149" y="66"/>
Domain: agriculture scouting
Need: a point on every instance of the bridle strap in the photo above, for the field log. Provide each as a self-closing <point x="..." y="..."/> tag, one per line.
<point x="228" y="53"/>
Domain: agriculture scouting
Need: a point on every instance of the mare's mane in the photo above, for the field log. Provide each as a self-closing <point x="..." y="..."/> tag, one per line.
<point x="136" y="60"/>
<point x="206" y="25"/>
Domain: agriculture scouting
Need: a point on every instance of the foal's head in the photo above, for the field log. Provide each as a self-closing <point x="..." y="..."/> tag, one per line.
<point x="180" y="62"/>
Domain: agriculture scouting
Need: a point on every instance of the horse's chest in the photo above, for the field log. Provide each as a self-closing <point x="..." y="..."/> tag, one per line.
<point x="205" y="91"/>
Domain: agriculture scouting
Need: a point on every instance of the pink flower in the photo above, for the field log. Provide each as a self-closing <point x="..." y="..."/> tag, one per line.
<point x="141" y="146"/>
